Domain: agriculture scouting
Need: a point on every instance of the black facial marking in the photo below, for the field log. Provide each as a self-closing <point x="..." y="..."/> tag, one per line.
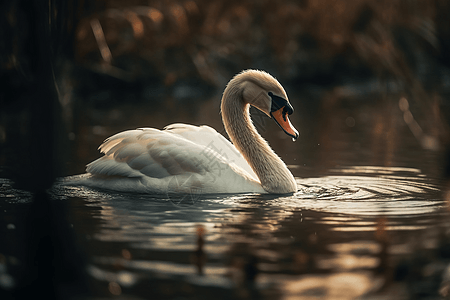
<point x="278" y="102"/>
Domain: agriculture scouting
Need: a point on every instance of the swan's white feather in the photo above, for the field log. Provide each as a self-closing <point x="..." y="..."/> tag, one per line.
<point x="191" y="157"/>
<point x="208" y="137"/>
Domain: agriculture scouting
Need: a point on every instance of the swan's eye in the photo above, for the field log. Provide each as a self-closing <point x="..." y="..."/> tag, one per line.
<point x="288" y="109"/>
<point x="278" y="102"/>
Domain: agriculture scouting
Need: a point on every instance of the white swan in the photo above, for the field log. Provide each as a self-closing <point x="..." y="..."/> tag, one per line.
<point x="196" y="159"/>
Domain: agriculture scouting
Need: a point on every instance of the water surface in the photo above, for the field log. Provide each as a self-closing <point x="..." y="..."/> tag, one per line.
<point x="369" y="219"/>
<point x="339" y="237"/>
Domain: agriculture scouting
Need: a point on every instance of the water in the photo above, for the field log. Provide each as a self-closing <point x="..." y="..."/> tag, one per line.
<point x="340" y="236"/>
<point x="334" y="239"/>
<point x="369" y="220"/>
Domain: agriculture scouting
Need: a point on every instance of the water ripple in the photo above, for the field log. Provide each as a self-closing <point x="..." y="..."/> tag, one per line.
<point x="371" y="191"/>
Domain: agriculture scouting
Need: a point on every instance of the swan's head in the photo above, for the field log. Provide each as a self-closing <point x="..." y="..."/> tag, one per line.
<point x="264" y="92"/>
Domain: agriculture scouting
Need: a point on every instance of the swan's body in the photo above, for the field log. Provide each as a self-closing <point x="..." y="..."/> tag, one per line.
<point x="190" y="159"/>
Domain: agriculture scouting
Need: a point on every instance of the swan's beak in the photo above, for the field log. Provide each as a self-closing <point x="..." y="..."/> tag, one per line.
<point x="282" y="119"/>
<point x="279" y="112"/>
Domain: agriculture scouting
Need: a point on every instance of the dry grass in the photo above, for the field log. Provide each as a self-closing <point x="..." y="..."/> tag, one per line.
<point x="212" y="40"/>
<point x="210" y="29"/>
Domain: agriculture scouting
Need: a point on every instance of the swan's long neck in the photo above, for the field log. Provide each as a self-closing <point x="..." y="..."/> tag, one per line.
<point x="273" y="174"/>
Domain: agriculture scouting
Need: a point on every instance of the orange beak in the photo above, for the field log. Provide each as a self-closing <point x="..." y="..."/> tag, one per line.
<point x="281" y="117"/>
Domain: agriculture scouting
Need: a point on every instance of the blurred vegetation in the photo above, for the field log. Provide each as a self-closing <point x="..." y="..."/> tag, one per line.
<point x="113" y="51"/>
<point x="298" y="39"/>
<point x="325" y="43"/>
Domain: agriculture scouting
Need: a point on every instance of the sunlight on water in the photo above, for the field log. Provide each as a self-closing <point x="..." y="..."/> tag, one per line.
<point x="335" y="286"/>
<point x="353" y="200"/>
<point x="321" y="242"/>
<point x="363" y="191"/>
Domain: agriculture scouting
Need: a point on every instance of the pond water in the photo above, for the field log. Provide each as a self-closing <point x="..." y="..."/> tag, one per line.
<point x="370" y="219"/>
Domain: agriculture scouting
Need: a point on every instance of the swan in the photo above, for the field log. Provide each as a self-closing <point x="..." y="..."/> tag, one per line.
<point x="185" y="158"/>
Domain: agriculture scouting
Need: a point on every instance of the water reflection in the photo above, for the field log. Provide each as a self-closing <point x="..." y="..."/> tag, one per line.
<point x="339" y="237"/>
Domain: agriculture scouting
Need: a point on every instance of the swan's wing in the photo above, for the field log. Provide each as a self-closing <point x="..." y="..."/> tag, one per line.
<point x="144" y="152"/>
<point x="159" y="154"/>
<point x="213" y="141"/>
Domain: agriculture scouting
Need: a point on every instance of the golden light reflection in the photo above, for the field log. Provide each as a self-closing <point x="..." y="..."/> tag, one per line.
<point x="265" y="227"/>
<point x="360" y="247"/>
<point x="376" y="229"/>
<point x="361" y="223"/>
<point x="335" y="286"/>
<point x="376" y="170"/>
<point x="348" y="262"/>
